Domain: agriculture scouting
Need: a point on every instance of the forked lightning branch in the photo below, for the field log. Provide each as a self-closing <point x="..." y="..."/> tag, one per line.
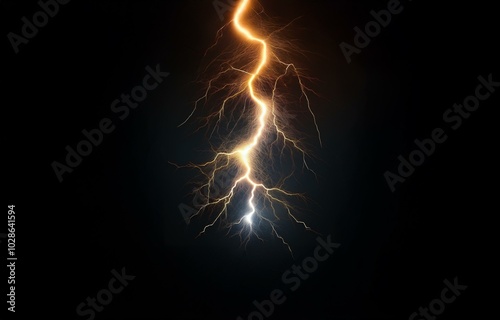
<point x="248" y="129"/>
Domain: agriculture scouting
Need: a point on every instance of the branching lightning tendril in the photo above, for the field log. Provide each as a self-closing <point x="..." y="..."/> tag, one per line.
<point x="246" y="155"/>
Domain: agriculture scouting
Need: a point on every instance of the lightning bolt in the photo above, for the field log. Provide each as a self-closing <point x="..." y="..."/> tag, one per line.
<point x="264" y="120"/>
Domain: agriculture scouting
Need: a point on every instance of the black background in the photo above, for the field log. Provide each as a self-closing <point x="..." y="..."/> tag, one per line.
<point x="119" y="208"/>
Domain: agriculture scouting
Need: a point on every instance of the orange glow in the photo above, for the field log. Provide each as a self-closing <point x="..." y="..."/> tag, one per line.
<point x="263" y="121"/>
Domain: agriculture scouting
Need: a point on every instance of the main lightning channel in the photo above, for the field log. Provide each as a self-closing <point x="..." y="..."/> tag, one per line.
<point x="245" y="151"/>
<point x="264" y="123"/>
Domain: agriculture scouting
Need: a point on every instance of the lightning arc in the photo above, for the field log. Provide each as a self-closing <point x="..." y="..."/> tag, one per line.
<point x="264" y="121"/>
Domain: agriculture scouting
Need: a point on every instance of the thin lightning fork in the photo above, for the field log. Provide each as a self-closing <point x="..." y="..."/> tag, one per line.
<point x="244" y="155"/>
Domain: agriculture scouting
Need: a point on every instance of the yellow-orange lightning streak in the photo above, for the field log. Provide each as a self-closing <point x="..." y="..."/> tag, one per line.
<point x="244" y="154"/>
<point x="245" y="150"/>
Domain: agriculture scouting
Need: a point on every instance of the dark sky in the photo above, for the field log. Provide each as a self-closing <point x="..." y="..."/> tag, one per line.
<point x="119" y="207"/>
